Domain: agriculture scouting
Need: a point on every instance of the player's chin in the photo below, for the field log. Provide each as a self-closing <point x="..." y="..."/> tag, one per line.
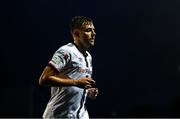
<point x="91" y="43"/>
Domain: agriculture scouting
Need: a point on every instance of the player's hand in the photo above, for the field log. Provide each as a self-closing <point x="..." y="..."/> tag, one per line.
<point x="92" y="93"/>
<point x="85" y="82"/>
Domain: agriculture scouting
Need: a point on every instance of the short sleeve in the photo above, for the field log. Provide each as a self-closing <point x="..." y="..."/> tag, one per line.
<point x="59" y="59"/>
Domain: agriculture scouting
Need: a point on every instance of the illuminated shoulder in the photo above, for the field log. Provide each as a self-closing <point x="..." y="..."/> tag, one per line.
<point x="67" y="48"/>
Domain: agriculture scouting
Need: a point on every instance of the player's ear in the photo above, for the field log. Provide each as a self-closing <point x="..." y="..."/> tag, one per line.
<point x="76" y="32"/>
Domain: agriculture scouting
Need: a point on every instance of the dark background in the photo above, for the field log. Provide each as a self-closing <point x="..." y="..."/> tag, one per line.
<point x="136" y="56"/>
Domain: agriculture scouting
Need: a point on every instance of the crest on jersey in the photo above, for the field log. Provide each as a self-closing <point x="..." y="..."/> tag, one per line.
<point x="65" y="56"/>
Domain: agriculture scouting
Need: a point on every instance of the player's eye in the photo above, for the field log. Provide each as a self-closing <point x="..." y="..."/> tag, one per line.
<point x="90" y="30"/>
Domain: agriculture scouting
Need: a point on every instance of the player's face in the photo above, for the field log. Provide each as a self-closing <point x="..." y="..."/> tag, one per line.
<point x="87" y="35"/>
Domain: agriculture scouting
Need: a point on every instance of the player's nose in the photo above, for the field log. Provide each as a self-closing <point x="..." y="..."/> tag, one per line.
<point x="93" y="33"/>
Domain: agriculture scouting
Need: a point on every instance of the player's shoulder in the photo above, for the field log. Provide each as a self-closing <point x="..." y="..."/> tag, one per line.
<point x="67" y="47"/>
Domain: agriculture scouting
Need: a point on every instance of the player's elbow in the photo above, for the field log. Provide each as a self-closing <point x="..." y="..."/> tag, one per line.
<point x="40" y="82"/>
<point x="43" y="80"/>
<point x="45" y="76"/>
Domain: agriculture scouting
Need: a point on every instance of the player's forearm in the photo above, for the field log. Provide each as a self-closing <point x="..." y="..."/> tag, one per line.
<point x="57" y="81"/>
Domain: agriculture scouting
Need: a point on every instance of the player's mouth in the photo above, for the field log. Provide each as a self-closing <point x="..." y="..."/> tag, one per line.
<point x="92" y="40"/>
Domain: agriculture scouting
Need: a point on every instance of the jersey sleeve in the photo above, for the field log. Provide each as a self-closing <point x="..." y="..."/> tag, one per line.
<point x="59" y="59"/>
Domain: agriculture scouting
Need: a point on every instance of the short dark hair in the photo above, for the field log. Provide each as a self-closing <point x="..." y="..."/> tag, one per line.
<point x="79" y="21"/>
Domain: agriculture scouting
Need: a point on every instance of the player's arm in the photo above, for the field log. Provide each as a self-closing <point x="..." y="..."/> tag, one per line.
<point x="49" y="78"/>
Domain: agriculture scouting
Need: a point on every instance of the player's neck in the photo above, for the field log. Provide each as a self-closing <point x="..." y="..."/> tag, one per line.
<point x="81" y="49"/>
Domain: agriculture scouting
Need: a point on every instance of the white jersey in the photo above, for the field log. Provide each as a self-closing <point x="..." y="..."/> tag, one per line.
<point x="69" y="101"/>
